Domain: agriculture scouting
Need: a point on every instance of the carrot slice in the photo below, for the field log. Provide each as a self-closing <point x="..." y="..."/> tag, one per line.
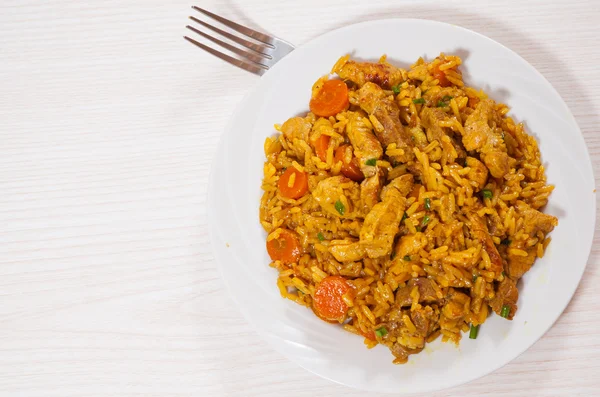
<point x="441" y="77"/>
<point x="285" y="248"/>
<point x="321" y="145"/>
<point x="328" y="300"/>
<point x="331" y="99"/>
<point x="349" y="170"/>
<point x="299" y="186"/>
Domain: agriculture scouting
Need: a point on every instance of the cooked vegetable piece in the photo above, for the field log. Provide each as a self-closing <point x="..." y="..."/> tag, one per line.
<point x="293" y="183"/>
<point x="331" y="99"/>
<point x="328" y="300"/>
<point x="286" y="247"/>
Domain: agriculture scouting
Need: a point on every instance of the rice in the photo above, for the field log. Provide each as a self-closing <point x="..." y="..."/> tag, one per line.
<point x="460" y="234"/>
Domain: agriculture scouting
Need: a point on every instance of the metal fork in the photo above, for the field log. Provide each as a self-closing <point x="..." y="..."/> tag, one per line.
<point x="263" y="54"/>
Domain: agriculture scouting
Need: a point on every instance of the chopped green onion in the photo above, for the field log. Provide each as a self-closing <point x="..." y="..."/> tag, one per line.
<point x="381" y="332"/>
<point x="339" y="207"/>
<point x="418" y="100"/>
<point x="441" y="104"/>
<point x="503" y="273"/>
<point x="505" y="311"/>
<point x="446" y="98"/>
<point x="505" y="242"/>
<point x="371" y="162"/>
<point x="425" y="220"/>
<point x="407" y="258"/>
<point x="396" y="89"/>
<point x="475" y="277"/>
<point x="487" y="193"/>
<point x="474" y="331"/>
<point x="320" y="236"/>
<point x="404" y="217"/>
<point x="428" y="204"/>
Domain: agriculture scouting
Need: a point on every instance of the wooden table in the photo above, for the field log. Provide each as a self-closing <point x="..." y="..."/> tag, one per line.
<point x="109" y="123"/>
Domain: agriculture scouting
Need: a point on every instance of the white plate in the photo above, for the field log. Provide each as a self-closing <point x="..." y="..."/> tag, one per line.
<point x="327" y="350"/>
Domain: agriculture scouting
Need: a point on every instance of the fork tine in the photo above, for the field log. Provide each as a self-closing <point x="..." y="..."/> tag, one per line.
<point x="236" y="26"/>
<point x="248" y="44"/>
<point x="253" y="68"/>
<point x="249" y="55"/>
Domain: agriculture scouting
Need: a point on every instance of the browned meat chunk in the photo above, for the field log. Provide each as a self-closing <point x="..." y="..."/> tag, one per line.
<point x="370" y="189"/>
<point x="366" y="145"/>
<point x="480" y="232"/>
<point x="382" y="222"/>
<point x="329" y="191"/>
<point x="360" y="73"/>
<point x="403" y="184"/>
<point x="518" y="265"/>
<point x="296" y="128"/>
<point x="388" y="127"/>
<point x="410" y="244"/>
<point x="430" y="119"/>
<point x="427" y="293"/>
<point x="534" y="220"/>
<point x="507" y="294"/>
<point x="351" y="252"/>
<point x="479" y="136"/>
<point x="478" y="172"/>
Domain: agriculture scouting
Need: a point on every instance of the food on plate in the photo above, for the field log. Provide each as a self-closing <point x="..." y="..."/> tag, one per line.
<point x="405" y="205"/>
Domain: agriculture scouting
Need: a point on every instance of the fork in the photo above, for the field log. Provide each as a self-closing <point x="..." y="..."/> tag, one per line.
<point x="265" y="52"/>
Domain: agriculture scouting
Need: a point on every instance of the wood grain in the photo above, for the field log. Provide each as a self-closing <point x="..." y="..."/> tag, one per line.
<point x="109" y="124"/>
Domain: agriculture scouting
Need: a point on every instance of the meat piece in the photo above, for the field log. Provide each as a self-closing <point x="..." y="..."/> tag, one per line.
<point x="479" y="136"/>
<point x="403" y="184"/>
<point x="480" y="232"/>
<point x="456" y="305"/>
<point x="360" y="73"/>
<point x="518" y="265"/>
<point x="388" y="127"/>
<point x="498" y="163"/>
<point x="350" y="252"/>
<point x="408" y="340"/>
<point x="427" y="293"/>
<point x="381" y="224"/>
<point x="478" y="172"/>
<point x="419" y="72"/>
<point x="402" y="352"/>
<point x="430" y="119"/>
<point x="366" y="145"/>
<point x="506" y="294"/>
<point x="369" y="191"/>
<point x="534" y="220"/>
<point x="329" y="191"/>
<point x="296" y="128"/>
<point x="409" y="245"/>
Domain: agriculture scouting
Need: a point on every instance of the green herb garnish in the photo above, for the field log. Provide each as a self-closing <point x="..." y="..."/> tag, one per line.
<point x="404" y="217"/>
<point x="474" y="331"/>
<point x="339" y="207"/>
<point x="428" y="204"/>
<point x="381" y="332"/>
<point x="407" y="258"/>
<point x="426" y="220"/>
<point x="418" y="100"/>
<point x="320" y="236"/>
<point x="371" y="162"/>
<point x="475" y="277"/>
<point x="505" y="311"/>
<point x="487" y="193"/>
<point x="396" y="89"/>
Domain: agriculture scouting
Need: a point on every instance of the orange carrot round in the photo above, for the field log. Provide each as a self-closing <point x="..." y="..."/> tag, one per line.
<point x="441" y="77"/>
<point x="328" y="301"/>
<point x="293" y="189"/>
<point x="331" y="99"/>
<point x="321" y="145"/>
<point x="285" y="248"/>
<point x="349" y="170"/>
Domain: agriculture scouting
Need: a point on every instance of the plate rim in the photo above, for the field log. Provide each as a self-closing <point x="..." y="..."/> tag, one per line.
<point x="212" y="180"/>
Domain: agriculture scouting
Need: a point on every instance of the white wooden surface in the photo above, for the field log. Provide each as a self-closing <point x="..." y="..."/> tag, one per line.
<point x="108" y="124"/>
